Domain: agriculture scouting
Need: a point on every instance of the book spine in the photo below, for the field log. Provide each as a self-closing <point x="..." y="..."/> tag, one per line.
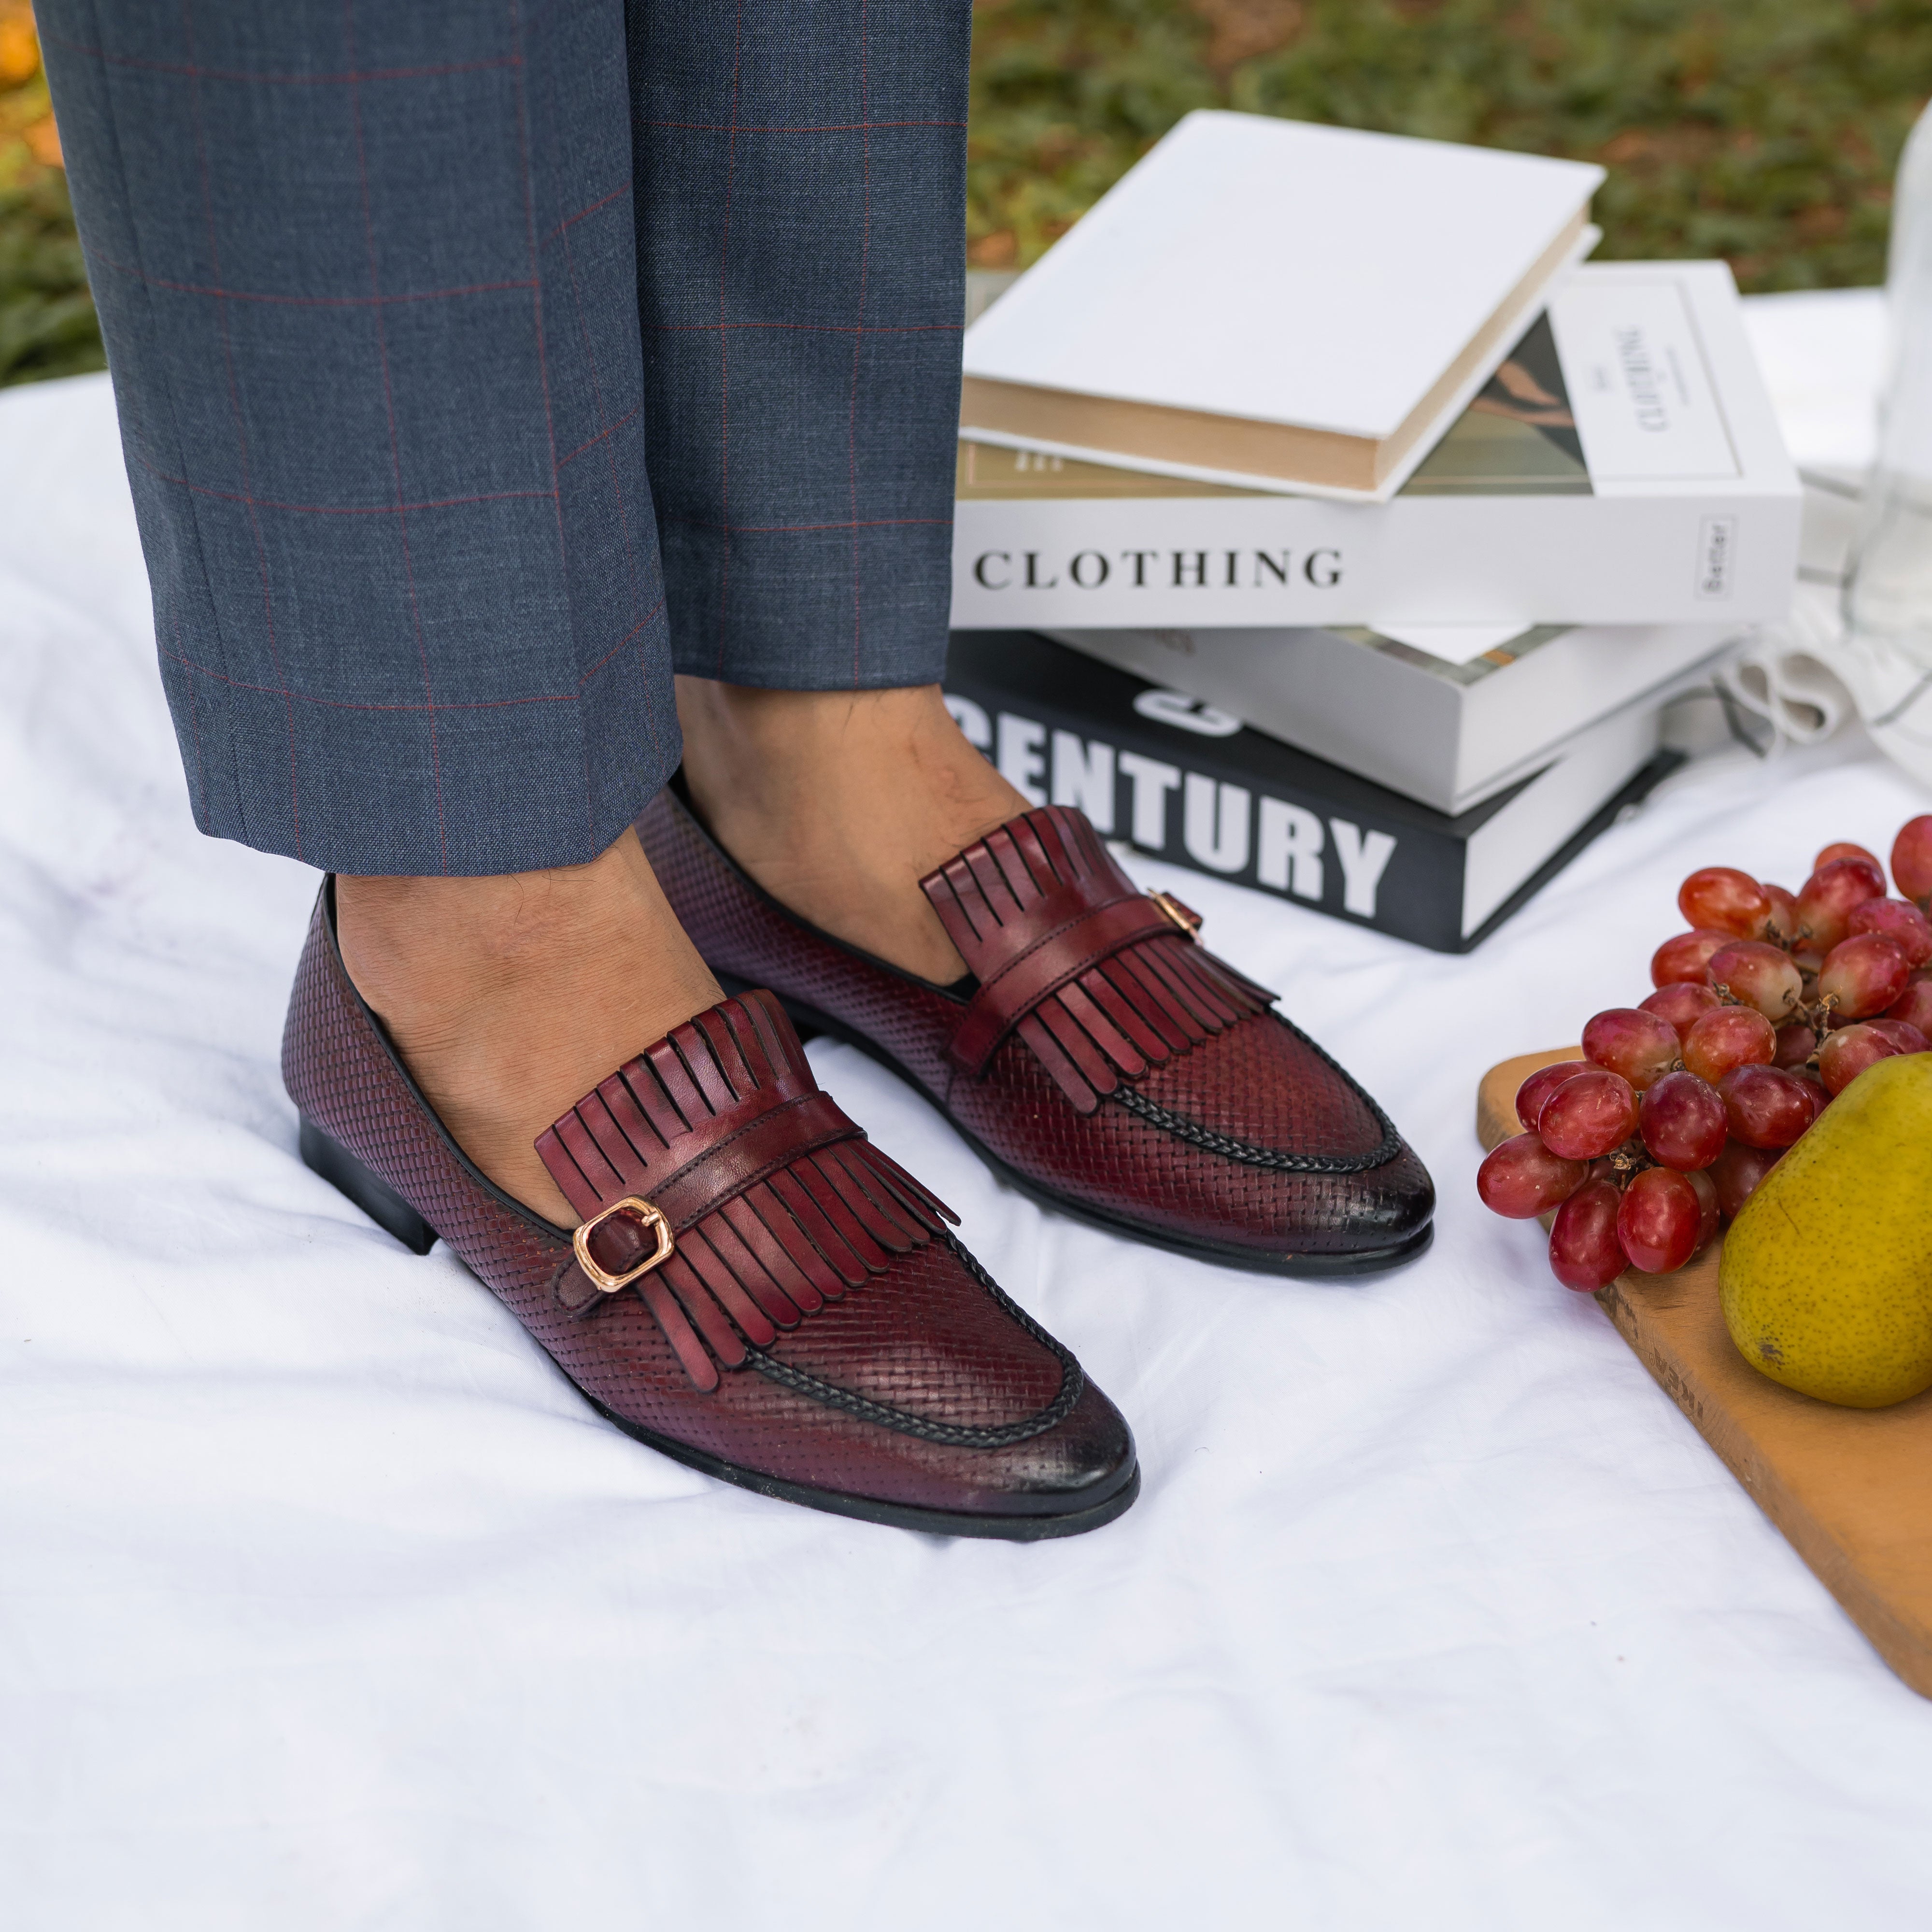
<point x="1164" y="791"/>
<point x="1214" y="562"/>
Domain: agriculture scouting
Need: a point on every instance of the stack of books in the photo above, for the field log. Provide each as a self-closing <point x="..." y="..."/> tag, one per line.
<point x="1329" y="436"/>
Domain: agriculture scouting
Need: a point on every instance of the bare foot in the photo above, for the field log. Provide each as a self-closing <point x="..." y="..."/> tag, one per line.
<point x="838" y="802"/>
<point x="511" y="997"/>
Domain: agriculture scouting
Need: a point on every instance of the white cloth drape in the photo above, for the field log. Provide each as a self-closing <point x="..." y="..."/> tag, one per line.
<point x="326" y="1603"/>
<point x="1806" y="678"/>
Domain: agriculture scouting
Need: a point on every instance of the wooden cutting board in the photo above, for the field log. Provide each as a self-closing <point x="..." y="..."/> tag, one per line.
<point x="1851" y="1488"/>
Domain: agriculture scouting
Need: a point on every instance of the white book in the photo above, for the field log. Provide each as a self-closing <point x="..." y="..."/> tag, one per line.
<point x="1544" y="816"/>
<point x="1276" y="303"/>
<point x="1622" y="465"/>
<point x="1447" y="733"/>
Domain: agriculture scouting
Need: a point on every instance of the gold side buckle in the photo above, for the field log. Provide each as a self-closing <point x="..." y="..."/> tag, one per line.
<point x="1170" y="908"/>
<point x="631" y="1204"/>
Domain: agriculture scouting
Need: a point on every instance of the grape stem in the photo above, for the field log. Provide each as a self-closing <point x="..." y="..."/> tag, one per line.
<point x="1814" y="1013"/>
<point x="1629" y="1161"/>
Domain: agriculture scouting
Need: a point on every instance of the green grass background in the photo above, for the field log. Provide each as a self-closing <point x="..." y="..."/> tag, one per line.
<point x="1765" y="131"/>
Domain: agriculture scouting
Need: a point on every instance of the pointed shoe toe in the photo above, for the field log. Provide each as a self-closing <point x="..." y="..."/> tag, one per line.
<point x="1099" y="1057"/>
<point x="754" y="1289"/>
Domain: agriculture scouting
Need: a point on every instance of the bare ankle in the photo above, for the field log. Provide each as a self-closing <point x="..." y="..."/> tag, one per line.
<point x="838" y="803"/>
<point x="510" y="997"/>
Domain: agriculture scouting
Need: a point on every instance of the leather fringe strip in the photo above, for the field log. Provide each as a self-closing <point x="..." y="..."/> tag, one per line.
<point x="765" y="1242"/>
<point x="1112" y="1004"/>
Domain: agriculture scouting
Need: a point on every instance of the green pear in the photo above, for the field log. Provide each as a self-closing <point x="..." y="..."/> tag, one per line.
<point x="1827" y="1273"/>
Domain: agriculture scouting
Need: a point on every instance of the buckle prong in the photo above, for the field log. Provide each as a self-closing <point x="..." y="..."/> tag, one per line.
<point x="652" y="1218"/>
<point x="1183" y="916"/>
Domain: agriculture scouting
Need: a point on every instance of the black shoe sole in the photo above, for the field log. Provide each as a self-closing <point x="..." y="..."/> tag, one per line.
<point x="809" y="1020"/>
<point x="896" y="1516"/>
<point x="323" y="1155"/>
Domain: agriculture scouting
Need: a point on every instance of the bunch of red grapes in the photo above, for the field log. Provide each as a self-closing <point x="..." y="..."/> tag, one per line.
<point x="1765" y="1012"/>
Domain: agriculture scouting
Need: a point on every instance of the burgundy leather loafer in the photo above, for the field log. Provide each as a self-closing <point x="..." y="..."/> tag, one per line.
<point x="1098" y="1056"/>
<point x="755" y="1289"/>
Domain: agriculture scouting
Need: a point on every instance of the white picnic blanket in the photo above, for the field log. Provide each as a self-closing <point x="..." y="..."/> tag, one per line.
<point x="326" y="1603"/>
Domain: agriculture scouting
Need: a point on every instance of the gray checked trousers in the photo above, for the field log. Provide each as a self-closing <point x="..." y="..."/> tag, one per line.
<point x="480" y="362"/>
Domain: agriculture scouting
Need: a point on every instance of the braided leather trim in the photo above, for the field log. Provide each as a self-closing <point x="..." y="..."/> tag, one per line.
<point x="1246" y="1152"/>
<point x="953" y="1435"/>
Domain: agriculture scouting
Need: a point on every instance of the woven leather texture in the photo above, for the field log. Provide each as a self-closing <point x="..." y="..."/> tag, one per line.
<point x="1257" y="1082"/>
<point x="926" y="1339"/>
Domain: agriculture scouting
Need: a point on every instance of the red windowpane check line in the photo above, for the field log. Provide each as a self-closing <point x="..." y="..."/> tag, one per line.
<point x="241" y="436"/>
<point x="725" y="341"/>
<point x="395" y="442"/>
<point x="596" y="379"/>
<point x="582" y="447"/>
<point x="571" y="221"/>
<point x="610" y="656"/>
<point x="189" y="71"/>
<point x="858" y="335"/>
<point x="784" y="529"/>
<point x="813" y="328"/>
<point x="161" y="475"/>
<point x="345" y="704"/>
<point x="194" y="721"/>
<point x="302" y="301"/>
<point x="442" y="704"/>
<point x="810" y="127"/>
<point x="528" y="177"/>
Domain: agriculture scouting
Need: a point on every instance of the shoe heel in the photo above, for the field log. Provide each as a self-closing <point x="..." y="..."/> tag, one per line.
<point x="371" y="1192"/>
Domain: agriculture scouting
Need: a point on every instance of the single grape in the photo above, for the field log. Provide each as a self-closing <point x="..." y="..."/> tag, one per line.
<point x="1588" y="1114"/>
<point x="1685" y="957"/>
<point x="1914" y="1005"/>
<point x="1902" y="1034"/>
<point x="1782" y="926"/>
<point x="1706" y="1191"/>
<point x="1731" y="1036"/>
<point x="1522" y="1179"/>
<point x="1657" y="1220"/>
<point x="1816" y="1091"/>
<point x="1843" y="850"/>
<point x="1584" y="1253"/>
<point x="1683" y="1122"/>
<point x="1911" y="860"/>
<point x="1848" y="1052"/>
<point x="1627" y="1040"/>
<point x="1864" y="974"/>
<point x="1540" y="1084"/>
<point x="1681" y="1003"/>
<point x="1796" y="1044"/>
<point x="1766" y="1106"/>
<point x="1832" y="894"/>
<point x="1898" y="919"/>
<point x="1736" y="1172"/>
<point x="1724" y="900"/>
<point x="1761" y="975"/>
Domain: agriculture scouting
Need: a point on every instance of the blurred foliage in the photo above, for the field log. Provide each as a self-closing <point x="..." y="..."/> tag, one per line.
<point x="1765" y="131"/>
<point x="46" y="319"/>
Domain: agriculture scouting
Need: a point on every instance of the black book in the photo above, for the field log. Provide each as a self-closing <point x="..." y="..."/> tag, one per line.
<point x="1172" y="776"/>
